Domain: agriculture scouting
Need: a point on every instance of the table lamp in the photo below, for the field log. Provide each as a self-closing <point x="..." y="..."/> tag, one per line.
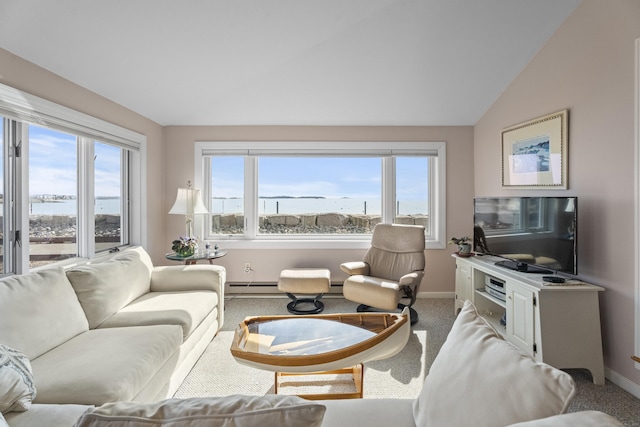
<point x="188" y="203"/>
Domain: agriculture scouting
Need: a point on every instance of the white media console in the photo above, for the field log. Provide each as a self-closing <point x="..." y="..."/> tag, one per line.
<point x="558" y="324"/>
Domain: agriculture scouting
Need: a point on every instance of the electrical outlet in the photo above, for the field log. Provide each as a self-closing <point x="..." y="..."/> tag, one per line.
<point x="247" y="267"/>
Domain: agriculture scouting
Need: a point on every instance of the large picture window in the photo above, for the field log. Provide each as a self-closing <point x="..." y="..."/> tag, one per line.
<point x="71" y="184"/>
<point x="290" y="194"/>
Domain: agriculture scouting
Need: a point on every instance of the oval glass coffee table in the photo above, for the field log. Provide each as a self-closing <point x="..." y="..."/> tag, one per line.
<point x="320" y="344"/>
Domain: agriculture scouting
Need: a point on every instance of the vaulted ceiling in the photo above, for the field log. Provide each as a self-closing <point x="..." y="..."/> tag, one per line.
<point x="287" y="62"/>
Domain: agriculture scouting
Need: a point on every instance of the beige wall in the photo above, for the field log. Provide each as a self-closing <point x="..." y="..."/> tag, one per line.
<point x="25" y="76"/>
<point x="170" y="165"/>
<point x="588" y="68"/>
<point x="439" y="277"/>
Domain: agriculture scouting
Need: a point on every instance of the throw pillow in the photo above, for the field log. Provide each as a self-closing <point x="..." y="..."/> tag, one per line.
<point x="480" y="379"/>
<point x="105" y="287"/>
<point x="230" y="411"/>
<point x="39" y="311"/>
<point x="16" y="381"/>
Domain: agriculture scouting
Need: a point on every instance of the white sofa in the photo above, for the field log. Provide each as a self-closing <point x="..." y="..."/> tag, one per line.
<point x="477" y="379"/>
<point x="111" y="330"/>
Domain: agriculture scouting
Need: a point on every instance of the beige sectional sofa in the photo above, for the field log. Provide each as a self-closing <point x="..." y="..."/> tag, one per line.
<point x="117" y="329"/>
<point x="477" y="379"/>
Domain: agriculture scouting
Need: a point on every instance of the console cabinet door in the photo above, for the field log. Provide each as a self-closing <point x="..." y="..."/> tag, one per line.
<point x="464" y="287"/>
<point x="520" y="318"/>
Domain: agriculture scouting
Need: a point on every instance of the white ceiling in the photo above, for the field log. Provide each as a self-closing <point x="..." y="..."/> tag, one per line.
<point x="287" y="62"/>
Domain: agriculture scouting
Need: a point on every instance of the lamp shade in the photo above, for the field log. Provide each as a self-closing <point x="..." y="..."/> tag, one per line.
<point x="188" y="202"/>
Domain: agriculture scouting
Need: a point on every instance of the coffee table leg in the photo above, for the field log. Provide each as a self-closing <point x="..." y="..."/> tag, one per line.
<point x="358" y="378"/>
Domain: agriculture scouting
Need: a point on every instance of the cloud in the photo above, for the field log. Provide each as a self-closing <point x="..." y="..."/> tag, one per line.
<point x="48" y="180"/>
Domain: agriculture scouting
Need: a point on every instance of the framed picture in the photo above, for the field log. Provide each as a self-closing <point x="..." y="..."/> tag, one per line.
<point x="534" y="153"/>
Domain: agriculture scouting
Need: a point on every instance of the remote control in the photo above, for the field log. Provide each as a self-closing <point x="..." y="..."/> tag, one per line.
<point x="553" y="279"/>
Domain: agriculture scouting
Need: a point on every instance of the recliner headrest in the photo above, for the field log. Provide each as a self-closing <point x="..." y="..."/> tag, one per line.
<point x="398" y="238"/>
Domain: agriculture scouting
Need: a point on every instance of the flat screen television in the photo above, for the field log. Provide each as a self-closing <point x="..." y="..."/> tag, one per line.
<point x="531" y="234"/>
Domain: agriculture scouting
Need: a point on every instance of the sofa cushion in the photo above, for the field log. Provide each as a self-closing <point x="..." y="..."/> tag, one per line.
<point x="230" y="411"/>
<point x="185" y="309"/>
<point x="39" y="311"/>
<point x="106" y="365"/>
<point x="103" y="288"/>
<point x="16" y="381"/>
<point x="475" y="362"/>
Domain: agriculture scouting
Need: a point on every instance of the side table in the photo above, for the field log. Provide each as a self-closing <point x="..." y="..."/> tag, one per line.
<point x="198" y="256"/>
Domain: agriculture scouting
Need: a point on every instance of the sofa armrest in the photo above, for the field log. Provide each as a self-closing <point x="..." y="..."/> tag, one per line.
<point x="178" y="278"/>
<point x="43" y="414"/>
<point x="355" y="267"/>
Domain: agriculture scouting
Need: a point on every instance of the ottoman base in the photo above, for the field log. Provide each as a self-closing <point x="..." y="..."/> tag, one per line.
<point x="293" y="308"/>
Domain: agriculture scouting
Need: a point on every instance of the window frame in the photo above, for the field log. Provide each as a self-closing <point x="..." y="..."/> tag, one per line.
<point x="386" y="150"/>
<point x="21" y="108"/>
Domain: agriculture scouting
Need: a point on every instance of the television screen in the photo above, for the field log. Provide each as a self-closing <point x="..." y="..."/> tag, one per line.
<point x="532" y="234"/>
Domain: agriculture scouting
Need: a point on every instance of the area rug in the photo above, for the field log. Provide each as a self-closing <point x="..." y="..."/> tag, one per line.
<point x="218" y="374"/>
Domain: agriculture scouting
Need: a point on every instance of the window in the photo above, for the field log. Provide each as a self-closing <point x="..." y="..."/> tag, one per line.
<point x="71" y="183"/>
<point x="318" y="195"/>
<point x="413" y="178"/>
<point x="291" y="195"/>
<point x="227" y="195"/>
<point x="110" y="211"/>
<point x="53" y="195"/>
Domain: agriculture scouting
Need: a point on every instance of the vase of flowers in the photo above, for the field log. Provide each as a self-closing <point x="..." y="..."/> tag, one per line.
<point x="185" y="246"/>
<point x="464" y="245"/>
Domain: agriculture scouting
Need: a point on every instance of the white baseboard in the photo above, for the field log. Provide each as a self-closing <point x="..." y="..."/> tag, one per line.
<point x="622" y="382"/>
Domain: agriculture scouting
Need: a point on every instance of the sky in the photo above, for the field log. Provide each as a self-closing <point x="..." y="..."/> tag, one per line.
<point x="53" y="164"/>
<point x="53" y="170"/>
<point x="352" y="177"/>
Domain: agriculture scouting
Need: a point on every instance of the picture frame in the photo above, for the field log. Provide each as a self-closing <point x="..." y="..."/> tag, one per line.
<point x="534" y="153"/>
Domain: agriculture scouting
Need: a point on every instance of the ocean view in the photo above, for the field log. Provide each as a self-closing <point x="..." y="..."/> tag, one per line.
<point x="285" y="205"/>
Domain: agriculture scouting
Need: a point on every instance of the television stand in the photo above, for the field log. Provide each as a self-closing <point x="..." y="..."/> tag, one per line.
<point x="523" y="267"/>
<point x="557" y="325"/>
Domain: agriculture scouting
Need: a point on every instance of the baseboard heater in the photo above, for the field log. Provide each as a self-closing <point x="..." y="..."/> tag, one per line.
<point x="268" y="287"/>
<point x="251" y="285"/>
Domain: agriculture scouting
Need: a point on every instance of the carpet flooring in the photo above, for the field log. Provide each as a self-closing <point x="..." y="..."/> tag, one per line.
<point x="218" y="374"/>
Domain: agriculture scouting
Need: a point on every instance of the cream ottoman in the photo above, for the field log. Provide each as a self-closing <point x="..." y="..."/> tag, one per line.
<point x="316" y="281"/>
